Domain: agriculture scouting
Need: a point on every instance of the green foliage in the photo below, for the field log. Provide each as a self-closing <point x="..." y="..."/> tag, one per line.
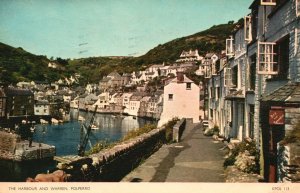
<point x="216" y="129"/>
<point x="31" y="67"/>
<point x="240" y="148"/>
<point x="169" y="129"/>
<point x="18" y="65"/>
<point x="101" y="145"/>
<point x="105" y="144"/>
<point x="134" y="133"/>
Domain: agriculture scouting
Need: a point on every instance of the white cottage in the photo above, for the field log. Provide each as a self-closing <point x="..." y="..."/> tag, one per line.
<point x="181" y="99"/>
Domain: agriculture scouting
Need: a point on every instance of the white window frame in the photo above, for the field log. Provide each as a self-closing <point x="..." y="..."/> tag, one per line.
<point x="268" y="2"/>
<point x="229" y="47"/>
<point x="248" y="28"/>
<point x="265" y="58"/>
<point x="227" y="77"/>
<point x="297" y="7"/>
<point x="213" y="69"/>
<point x="207" y="71"/>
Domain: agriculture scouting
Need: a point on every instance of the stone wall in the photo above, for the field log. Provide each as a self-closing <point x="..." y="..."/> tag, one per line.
<point x="113" y="164"/>
<point x="292" y="115"/>
<point x="289" y="162"/>
<point x="178" y="130"/>
<point x="39" y="151"/>
<point x="8" y="142"/>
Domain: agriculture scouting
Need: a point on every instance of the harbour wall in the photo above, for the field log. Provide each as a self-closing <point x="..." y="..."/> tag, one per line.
<point x="8" y="143"/>
<point x="13" y="148"/>
<point x="111" y="165"/>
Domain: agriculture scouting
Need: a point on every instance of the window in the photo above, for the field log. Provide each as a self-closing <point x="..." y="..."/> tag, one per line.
<point x="217" y="92"/>
<point x="213" y="69"/>
<point x="268" y="2"/>
<point x="248" y="31"/>
<point x="170" y="97"/>
<point x="266" y="62"/>
<point x="207" y="72"/>
<point x="229" y="46"/>
<point x="234" y="77"/>
<point x="252" y="75"/>
<point x="188" y="86"/>
<point x="227" y="77"/>
<point x="282" y="57"/>
<point x="254" y="23"/>
<point x="212" y="92"/>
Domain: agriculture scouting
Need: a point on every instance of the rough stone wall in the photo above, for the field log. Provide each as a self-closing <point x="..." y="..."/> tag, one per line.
<point x="8" y="143"/>
<point x="289" y="162"/>
<point x="113" y="164"/>
<point x="292" y="115"/>
<point x="43" y="152"/>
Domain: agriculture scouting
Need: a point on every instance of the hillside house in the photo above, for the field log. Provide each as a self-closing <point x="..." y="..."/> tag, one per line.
<point x="19" y="102"/>
<point x="181" y="99"/>
<point x="103" y="100"/>
<point x="126" y="100"/>
<point x="144" y="106"/>
<point x="134" y="104"/>
<point x="112" y="80"/>
<point x="41" y="108"/>
<point x="189" y="56"/>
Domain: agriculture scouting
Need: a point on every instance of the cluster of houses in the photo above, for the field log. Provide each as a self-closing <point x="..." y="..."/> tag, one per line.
<point x="253" y="91"/>
<point x="33" y="101"/>
<point x="142" y="101"/>
<point x="120" y="94"/>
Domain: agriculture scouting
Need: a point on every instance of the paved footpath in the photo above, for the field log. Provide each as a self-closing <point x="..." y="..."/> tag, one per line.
<point x="196" y="158"/>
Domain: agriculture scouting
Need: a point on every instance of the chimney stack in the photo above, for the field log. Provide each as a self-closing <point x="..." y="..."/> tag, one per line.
<point x="180" y="77"/>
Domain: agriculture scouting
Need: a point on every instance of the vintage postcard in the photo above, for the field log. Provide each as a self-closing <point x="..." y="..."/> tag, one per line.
<point x="149" y="95"/>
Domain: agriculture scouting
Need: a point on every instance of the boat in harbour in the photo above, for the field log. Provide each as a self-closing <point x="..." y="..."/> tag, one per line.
<point x="95" y="127"/>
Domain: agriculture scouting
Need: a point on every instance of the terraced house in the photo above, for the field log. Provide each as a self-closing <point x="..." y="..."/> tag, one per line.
<point x="255" y="93"/>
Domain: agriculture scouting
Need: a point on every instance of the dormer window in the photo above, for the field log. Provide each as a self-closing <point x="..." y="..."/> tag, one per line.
<point x="248" y="28"/>
<point x="229" y="46"/>
<point x="266" y="62"/>
<point x="268" y="2"/>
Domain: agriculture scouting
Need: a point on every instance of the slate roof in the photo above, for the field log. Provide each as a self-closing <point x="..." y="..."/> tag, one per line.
<point x="17" y="92"/>
<point x="289" y="93"/>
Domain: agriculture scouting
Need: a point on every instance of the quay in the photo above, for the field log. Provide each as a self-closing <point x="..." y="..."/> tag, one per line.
<point x="196" y="158"/>
<point x="13" y="148"/>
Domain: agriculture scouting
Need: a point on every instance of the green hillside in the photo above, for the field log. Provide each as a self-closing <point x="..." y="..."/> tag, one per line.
<point x="18" y="65"/>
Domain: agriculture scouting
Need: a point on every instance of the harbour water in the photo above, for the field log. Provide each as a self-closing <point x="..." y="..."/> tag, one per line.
<point x="65" y="137"/>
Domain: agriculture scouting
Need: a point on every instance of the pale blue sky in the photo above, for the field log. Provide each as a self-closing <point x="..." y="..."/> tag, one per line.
<point x="78" y="28"/>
